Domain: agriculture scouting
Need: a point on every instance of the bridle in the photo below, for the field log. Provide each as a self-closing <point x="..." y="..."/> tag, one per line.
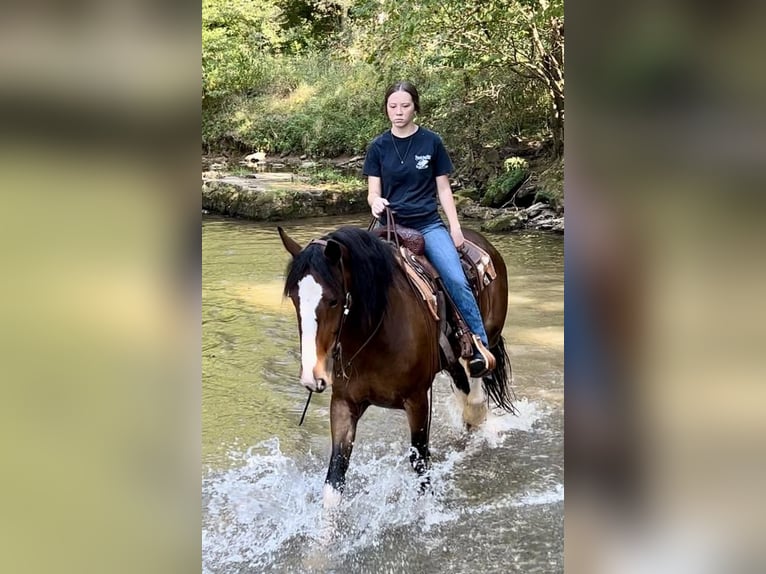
<point x="347" y="301"/>
<point x="339" y="369"/>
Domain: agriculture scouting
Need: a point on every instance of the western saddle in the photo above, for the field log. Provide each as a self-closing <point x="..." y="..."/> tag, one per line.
<point x="455" y="338"/>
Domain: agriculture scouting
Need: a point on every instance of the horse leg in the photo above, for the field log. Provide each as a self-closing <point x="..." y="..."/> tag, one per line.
<point x="470" y="395"/>
<point x="475" y="409"/>
<point x="343" y="419"/>
<point x="420" y="457"/>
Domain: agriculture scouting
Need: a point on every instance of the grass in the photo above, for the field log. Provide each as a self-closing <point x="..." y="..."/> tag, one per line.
<point x="334" y="179"/>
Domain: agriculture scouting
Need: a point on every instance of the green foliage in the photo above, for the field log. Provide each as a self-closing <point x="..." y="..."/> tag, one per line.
<point x="314" y="106"/>
<point x="510" y="51"/>
<point x="501" y="188"/>
<point x="307" y="76"/>
<point x="513" y="163"/>
<point x="238" y="36"/>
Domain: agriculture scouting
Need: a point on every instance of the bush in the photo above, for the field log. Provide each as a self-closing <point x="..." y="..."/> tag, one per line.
<point x="314" y="106"/>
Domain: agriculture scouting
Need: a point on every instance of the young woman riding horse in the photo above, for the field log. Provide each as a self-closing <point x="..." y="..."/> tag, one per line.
<point x="363" y="329"/>
<point x="407" y="167"/>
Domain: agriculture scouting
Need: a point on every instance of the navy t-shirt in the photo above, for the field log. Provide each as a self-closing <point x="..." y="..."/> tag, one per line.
<point x="408" y="168"/>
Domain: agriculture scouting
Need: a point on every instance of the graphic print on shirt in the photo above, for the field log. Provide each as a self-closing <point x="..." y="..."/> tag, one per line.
<point x="421" y="161"/>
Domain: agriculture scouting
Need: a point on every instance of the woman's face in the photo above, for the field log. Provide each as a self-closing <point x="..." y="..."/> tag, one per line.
<point x="400" y="109"/>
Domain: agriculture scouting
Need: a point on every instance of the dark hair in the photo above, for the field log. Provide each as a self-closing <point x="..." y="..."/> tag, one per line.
<point x="403" y="86"/>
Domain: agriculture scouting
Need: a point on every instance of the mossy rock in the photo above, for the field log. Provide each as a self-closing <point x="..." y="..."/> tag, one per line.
<point x="500" y="189"/>
<point x="461" y="200"/>
<point x="469" y="193"/>
<point x="509" y="222"/>
<point x="245" y="198"/>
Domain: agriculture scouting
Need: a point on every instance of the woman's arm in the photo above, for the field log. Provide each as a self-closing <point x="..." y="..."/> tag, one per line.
<point x="448" y="203"/>
<point x="374" y="200"/>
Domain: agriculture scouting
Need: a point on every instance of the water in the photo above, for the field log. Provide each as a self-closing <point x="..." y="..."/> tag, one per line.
<point x="497" y="499"/>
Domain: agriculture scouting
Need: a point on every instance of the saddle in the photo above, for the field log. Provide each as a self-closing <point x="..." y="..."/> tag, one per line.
<point x="454" y="335"/>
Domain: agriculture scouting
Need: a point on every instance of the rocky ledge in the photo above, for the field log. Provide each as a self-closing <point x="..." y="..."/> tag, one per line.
<point x="276" y="196"/>
<point x="538" y="216"/>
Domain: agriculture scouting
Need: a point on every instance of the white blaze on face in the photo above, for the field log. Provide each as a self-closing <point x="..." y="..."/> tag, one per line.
<point x="309" y="295"/>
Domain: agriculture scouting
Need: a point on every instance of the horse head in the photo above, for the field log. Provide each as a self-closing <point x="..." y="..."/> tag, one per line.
<point x="317" y="285"/>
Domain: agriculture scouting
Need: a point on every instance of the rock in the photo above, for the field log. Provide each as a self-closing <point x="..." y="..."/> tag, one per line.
<point x="500" y="190"/>
<point x="535" y="209"/>
<point x="309" y="164"/>
<point x="216" y="163"/>
<point x="508" y="222"/>
<point x="304" y="156"/>
<point x="473" y="211"/>
<point x="255" y="158"/>
<point x="547" y="223"/>
<point x="354" y="160"/>
<point x="525" y="195"/>
<point x="460" y="201"/>
<point x="469" y="193"/>
<point x="545" y="213"/>
<point x="275" y="197"/>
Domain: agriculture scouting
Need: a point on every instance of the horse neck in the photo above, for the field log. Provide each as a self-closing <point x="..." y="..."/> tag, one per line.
<point x="355" y="339"/>
<point x="403" y="310"/>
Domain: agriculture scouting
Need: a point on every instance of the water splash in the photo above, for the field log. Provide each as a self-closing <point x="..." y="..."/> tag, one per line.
<point x="496" y="428"/>
<point x="266" y="512"/>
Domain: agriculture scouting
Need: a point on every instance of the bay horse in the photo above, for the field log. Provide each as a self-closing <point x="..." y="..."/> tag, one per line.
<point x="366" y="333"/>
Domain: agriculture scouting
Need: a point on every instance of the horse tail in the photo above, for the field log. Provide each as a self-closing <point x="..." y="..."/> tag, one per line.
<point x="497" y="384"/>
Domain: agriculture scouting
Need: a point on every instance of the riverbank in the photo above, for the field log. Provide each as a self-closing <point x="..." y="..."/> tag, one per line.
<point x="254" y="189"/>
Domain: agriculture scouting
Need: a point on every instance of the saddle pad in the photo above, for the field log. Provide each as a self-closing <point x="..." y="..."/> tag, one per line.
<point x="480" y="260"/>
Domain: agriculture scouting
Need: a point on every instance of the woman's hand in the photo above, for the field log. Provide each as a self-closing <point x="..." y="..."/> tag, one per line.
<point x="378" y="206"/>
<point x="457" y="236"/>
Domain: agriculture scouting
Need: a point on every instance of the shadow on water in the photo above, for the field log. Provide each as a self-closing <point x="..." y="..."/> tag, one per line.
<point x="497" y="492"/>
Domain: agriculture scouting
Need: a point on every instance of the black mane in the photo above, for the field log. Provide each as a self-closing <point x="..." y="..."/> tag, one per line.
<point x="371" y="265"/>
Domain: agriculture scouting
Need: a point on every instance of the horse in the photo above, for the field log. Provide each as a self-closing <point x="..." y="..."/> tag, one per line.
<point x="365" y="333"/>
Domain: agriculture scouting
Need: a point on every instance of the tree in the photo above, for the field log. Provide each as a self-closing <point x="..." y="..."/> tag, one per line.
<point x="524" y="38"/>
<point x="236" y="35"/>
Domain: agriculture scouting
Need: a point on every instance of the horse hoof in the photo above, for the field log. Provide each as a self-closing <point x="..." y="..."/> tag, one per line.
<point x="474" y="415"/>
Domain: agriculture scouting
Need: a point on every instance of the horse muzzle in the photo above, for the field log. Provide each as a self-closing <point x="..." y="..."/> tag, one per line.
<point x="317" y="381"/>
<point x="315" y="386"/>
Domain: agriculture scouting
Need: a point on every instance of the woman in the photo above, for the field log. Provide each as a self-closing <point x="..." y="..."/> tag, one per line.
<point x="407" y="167"/>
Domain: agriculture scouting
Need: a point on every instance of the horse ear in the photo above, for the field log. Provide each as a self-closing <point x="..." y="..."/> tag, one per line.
<point x="290" y="244"/>
<point x="333" y="251"/>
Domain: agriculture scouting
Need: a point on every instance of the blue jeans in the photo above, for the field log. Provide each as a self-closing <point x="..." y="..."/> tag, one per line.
<point x="441" y="252"/>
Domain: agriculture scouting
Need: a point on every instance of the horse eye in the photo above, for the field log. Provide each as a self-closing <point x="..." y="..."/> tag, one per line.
<point x="333" y="302"/>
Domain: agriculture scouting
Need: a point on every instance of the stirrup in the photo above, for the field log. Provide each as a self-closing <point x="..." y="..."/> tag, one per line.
<point x="483" y="361"/>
